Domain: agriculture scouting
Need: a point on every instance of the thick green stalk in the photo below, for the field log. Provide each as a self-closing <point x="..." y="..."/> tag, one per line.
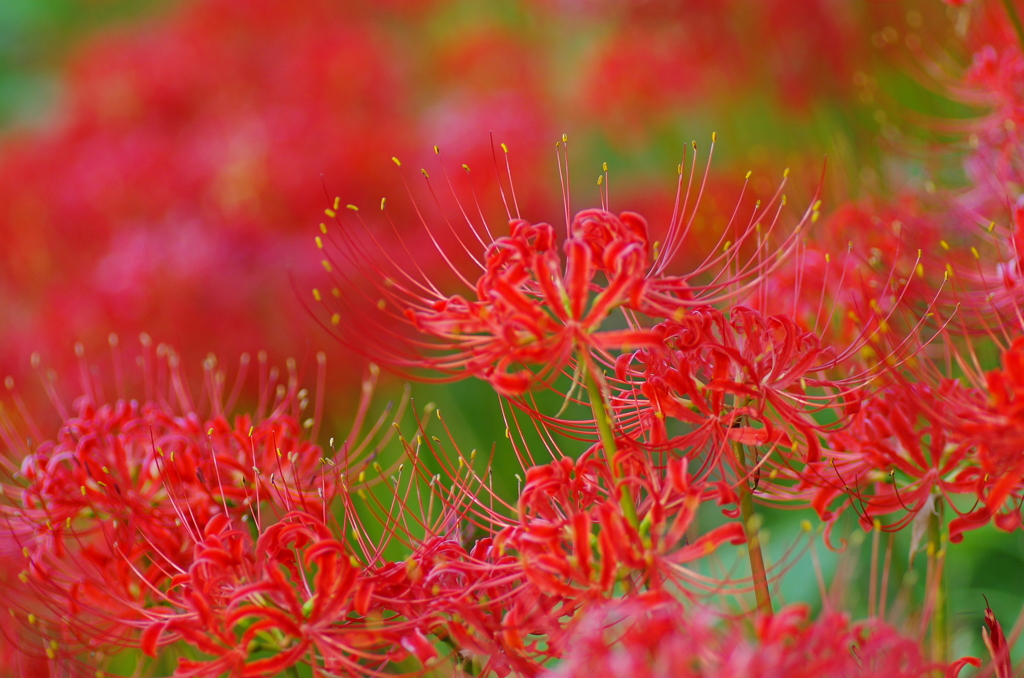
<point x="752" y="529"/>
<point x="292" y="671"/>
<point x="604" y="429"/>
<point x="937" y="559"/>
<point x="1011" y="10"/>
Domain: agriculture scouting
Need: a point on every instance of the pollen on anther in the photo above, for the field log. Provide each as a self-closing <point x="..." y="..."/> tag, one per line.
<point x="336" y="319"/>
<point x="352" y="207"/>
<point x="323" y="228"/>
<point x="330" y="213"/>
<point x="316" y="294"/>
<point x="327" y="265"/>
<point x="396" y="161"/>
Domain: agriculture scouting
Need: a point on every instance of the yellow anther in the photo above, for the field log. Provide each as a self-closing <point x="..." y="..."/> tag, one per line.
<point x="337" y="201"/>
<point x="504" y="148"/>
<point x="49" y="653"/>
<point x="381" y="304"/>
<point x="974" y="251"/>
<point x="362" y="476"/>
<point x="828" y="258"/>
<point x="991" y="226"/>
<point x="336" y="319"/>
<point x="714" y="137"/>
<point x="323" y="228"/>
<point x="31" y="617"/>
<point x="319" y="243"/>
<point x="565" y="138"/>
<point x="316" y="294"/>
<point x="694" y="142"/>
<point x="944" y="245"/>
<point x="396" y="161"/>
<point x="24" y="551"/>
<point x="785" y="173"/>
<point x="806" y="525"/>
<point x="383" y="201"/>
<point x="437" y="151"/>
<point x="210" y="432"/>
<point x="816" y="206"/>
<point x="600" y="179"/>
<point x="330" y="213"/>
<point x="466" y="167"/>
<point x="336" y="292"/>
<point x="352" y="207"/>
<point x="783" y="198"/>
<point x="679" y="169"/>
<point x="327" y="265"/>
<point x="749" y="172"/>
<point x="604" y="166"/>
<point x="424" y="173"/>
<point x="815" y="216"/>
<point x="728" y="244"/>
<point x="83" y="490"/>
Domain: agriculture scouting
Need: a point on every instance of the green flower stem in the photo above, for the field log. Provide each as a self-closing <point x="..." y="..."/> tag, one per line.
<point x="1011" y="10"/>
<point x="752" y="529"/>
<point x="604" y="428"/>
<point x="292" y="671"/>
<point x="937" y="560"/>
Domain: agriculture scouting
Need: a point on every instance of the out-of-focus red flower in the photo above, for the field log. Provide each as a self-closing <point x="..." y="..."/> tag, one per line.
<point x="667" y="55"/>
<point x="651" y="637"/>
<point x="172" y="193"/>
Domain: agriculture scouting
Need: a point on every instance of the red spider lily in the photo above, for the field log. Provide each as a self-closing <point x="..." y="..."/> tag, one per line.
<point x="111" y="507"/>
<point x="564" y="504"/>
<point x="650" y="636"/>
<point x="997" y="429"/>
<point x="733" y="380"/>
<point x="900" y="454"/>
<point x="996" y="643"/>
<point x="530" y="312"/>
<point x="297" y="592"/>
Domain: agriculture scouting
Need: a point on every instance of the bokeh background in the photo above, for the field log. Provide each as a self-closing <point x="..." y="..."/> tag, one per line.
<point x="164" y="163"/>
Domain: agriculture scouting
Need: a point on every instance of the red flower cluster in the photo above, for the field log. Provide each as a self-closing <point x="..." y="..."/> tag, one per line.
<point x="652" y="638"/>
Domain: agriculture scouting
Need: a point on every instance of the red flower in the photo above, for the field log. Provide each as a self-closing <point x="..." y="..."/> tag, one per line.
<point x="532" y="312"/>
<point x="650" y="636"/>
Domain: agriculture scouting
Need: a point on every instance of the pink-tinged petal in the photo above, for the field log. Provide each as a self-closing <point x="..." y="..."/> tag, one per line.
<point x="417" y="645"/>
